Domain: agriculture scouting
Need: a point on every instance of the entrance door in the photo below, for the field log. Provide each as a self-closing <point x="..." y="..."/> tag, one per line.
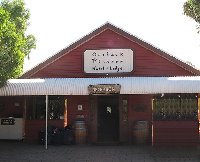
<point x="108" y="118"/>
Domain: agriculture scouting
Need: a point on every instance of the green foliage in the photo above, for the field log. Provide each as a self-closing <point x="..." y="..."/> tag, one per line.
<point x="192" y="9"/>
<point x="15" y="44"/>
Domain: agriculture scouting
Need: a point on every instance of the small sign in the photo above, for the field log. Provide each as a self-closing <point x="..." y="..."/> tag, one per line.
<point x="7" y="121"/>
<point x="80" y="107"/>
<point x="104" y="89"/>
<point x="108" y="61"/>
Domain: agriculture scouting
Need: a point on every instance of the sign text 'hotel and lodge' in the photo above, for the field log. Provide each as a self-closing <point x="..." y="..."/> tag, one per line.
<point x="108" y="61"/>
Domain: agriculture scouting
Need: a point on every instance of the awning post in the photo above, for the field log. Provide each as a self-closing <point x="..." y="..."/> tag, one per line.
<point x="46" y="137"/>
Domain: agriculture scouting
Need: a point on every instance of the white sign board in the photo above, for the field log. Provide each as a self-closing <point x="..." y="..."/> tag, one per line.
<point x="108" y="61"/>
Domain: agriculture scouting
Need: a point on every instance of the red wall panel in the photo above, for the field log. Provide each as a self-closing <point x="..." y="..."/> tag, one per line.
<point x="140" y="109"/>
<point x="72" y="108"/>
<point x="12" y="106"/>
<point x="146" y="62"/>
<point x="33" y="127"/>
<point x="175" y="133"/>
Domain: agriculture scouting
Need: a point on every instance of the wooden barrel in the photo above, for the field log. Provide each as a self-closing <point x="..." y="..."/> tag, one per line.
<point x="140" y="132"/>
<point x="80" y="132"/>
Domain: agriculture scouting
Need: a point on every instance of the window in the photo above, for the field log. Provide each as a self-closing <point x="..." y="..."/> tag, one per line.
<point x="175" y="107"/>
<point x="37" y="107"/>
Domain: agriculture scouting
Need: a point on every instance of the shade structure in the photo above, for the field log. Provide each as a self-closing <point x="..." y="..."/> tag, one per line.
<point x="79" y="86"/>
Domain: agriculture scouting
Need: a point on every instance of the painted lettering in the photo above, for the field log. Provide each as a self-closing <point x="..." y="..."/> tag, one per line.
<point x="108" y="61"/>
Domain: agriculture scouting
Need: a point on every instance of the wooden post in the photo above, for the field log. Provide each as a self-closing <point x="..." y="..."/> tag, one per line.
<point x="46" y="142"/>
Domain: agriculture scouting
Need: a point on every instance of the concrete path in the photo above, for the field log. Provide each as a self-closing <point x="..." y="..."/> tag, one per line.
<point x="14" y="151"/>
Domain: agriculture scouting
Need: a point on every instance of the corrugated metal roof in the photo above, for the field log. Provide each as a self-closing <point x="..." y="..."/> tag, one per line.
<point x="79" y="86"/>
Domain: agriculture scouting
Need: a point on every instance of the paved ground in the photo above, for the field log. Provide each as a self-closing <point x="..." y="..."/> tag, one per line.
<point x="22" y="152"/>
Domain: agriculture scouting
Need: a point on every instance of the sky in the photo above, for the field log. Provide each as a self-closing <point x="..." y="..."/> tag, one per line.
<point x="57" y="24"/>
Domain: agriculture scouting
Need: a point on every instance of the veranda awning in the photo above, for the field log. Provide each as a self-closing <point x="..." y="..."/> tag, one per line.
<point x="79" y="86"/>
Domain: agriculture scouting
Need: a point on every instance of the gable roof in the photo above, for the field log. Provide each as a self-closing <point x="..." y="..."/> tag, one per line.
<point x="119" y="31"/>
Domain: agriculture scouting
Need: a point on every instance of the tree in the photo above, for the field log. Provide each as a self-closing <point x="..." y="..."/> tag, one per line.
<point x="192" y="9"/>
<point x="15" y="44"/>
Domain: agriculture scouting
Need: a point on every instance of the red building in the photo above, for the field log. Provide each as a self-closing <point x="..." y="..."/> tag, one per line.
<point x="124" y="89"/>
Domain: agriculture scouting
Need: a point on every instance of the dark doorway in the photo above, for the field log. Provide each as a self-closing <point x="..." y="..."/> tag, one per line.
<point x="108" y="118"/>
